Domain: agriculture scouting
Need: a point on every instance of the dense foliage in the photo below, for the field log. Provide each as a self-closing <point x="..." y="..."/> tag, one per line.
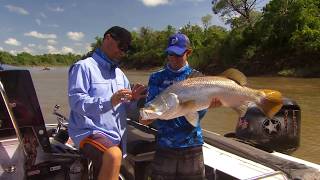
<point x="26" y="59"/>
<point x="283" y="39"/>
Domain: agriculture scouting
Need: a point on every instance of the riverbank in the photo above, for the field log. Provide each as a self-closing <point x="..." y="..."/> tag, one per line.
<point x="249" y="72"/>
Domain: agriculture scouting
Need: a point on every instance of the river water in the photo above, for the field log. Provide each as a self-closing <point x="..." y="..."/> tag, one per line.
<point x="51" y="87"/>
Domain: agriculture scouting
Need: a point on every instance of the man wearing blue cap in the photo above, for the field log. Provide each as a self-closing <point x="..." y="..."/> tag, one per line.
<point x="179" y="145"/>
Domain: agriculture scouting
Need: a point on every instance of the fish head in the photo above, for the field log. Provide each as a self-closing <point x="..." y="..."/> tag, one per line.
<point x="159" y="107"/>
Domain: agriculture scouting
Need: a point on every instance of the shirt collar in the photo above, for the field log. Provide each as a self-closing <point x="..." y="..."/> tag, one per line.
<point x="102" y="55"/>
<point x="181" y="70"/>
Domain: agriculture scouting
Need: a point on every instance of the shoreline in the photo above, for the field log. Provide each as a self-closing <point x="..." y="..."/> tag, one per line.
<point x="284" y="73"/>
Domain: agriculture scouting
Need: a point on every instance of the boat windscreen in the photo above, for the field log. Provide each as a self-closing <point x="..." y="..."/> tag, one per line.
<point x="24" y="103"/>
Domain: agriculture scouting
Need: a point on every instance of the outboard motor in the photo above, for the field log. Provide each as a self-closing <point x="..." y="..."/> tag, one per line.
<point x="281" y="133"/>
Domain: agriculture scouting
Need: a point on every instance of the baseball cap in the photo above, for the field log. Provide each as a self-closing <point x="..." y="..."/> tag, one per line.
<point x="121" y="35"/>
<point x="178" y="44"/>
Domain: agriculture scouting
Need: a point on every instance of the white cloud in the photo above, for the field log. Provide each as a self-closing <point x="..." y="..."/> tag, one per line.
<point x="78" y="44"/>
<point x="28" y="50"/>
<point x="66" y="50"/>
<point x="76" y="36"/>
<point x="12" y="42"/>
<point x="17" y="9"/>
<point x="52" y="41"/>
<point x="31" y="45"/>
<point x="153" y="3"/>
<point x="43" y="15"/>
<point x="36" y="34"/>
<point x="56" y="9"/>
<point x="88" y="48"/>
<point x="195" y="1"/>
<point x="38" y="21"/>
<point x="52" y="49"/>
<point x="1" y="48"/>
<point x="13" y="52"/>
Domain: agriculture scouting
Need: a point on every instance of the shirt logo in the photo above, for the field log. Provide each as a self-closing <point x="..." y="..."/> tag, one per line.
<point x="168" y="82"/>
<point x="174" y="40"/>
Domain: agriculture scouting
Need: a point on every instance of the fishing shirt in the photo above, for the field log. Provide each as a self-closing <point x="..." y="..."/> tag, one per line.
<point x="178" y="132"/>
<point x="92" y="82"/>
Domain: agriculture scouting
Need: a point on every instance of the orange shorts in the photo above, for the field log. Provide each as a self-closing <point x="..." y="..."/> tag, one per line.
<point x="93" y="148"/>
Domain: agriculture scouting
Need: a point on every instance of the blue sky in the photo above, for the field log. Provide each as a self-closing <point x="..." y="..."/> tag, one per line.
<point x="62" y="26"/>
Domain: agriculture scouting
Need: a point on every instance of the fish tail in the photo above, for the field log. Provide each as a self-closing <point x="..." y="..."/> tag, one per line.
<point x="271" y="102"/>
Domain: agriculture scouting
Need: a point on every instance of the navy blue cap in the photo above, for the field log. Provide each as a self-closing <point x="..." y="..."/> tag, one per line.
<point x="120" y="34"/>
<point x="178" y="43"/>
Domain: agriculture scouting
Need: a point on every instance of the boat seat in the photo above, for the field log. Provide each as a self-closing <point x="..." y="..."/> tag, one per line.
<point x="139" y="142"/>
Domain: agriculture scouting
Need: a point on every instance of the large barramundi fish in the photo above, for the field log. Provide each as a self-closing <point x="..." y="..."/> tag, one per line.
<point x="186" y="97"/>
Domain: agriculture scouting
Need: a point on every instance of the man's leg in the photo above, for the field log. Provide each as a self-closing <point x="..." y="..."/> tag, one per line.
<point x="105" y="156"/>
<point x="191" y="164"/>
<point x="164" y="165"/>
<point x="111" y="163"/>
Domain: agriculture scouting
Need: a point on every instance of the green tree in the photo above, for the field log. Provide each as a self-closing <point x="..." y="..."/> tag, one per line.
<point x="288" y="36"/>
<point x="236" y="12"/>
<point x="7" y="58"/>
<point x="206" y="21"/>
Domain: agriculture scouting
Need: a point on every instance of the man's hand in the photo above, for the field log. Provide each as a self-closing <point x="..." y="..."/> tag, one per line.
<point x="126" y="95"/>
<point x="123" y="95"/>
<point x="215" y="103"/>
<point x="146" y="122"/>
<point x="138" y="92"/>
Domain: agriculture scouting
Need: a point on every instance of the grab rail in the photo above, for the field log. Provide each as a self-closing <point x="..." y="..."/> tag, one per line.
<point x="11" y="116"/>
<point x="275" y="173"/>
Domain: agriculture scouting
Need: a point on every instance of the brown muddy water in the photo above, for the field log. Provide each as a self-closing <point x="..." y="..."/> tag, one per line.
<point x="51" y="87"/>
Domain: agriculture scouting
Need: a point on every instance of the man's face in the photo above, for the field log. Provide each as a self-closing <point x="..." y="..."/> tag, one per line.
<point x="176" y="62"/>
<point x="113" y="48"/>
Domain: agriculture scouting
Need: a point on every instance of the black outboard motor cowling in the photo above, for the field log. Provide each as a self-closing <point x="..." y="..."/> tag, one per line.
<point x="281" y="133"/>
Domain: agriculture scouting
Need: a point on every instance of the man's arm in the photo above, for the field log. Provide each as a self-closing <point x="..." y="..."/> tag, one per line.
<point x="79" y="99"/>
<point x="153" y="91"/>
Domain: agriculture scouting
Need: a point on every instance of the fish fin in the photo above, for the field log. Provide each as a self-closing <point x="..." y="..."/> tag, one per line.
<point x="195" y="73"/>
<point x="144" y="113"/>
<point x="235" y="75"/>
<point x="271" y="103"/>
<point x="192" y="118"/>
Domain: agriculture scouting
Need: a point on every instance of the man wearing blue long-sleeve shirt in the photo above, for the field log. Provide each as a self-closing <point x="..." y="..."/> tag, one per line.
<point x="179" y="144"/>
<point x="99" y="98"/>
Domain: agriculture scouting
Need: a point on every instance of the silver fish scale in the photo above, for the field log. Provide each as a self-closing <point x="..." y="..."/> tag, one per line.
<point x="204" y="88"/>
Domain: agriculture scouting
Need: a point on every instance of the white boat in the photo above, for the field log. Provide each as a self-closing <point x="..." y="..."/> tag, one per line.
<point x="31" y="149"/>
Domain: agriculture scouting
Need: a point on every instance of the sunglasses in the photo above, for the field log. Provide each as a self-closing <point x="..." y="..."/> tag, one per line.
<point x="169" y="53"/>
<point x="124" y="47"/>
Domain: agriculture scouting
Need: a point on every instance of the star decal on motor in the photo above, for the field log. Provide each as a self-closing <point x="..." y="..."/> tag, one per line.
<point x="271" y="126"/>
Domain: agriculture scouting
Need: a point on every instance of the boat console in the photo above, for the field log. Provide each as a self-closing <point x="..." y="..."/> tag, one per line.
<point x="25" y="147"/>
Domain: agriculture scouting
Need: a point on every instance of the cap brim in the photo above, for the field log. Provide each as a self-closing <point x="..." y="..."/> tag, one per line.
<point x="176" y="50"/>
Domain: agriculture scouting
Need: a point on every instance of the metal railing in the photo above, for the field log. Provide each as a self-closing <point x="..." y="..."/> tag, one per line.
<point x="9" y="106"/>
<point x="270" y="174"/>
